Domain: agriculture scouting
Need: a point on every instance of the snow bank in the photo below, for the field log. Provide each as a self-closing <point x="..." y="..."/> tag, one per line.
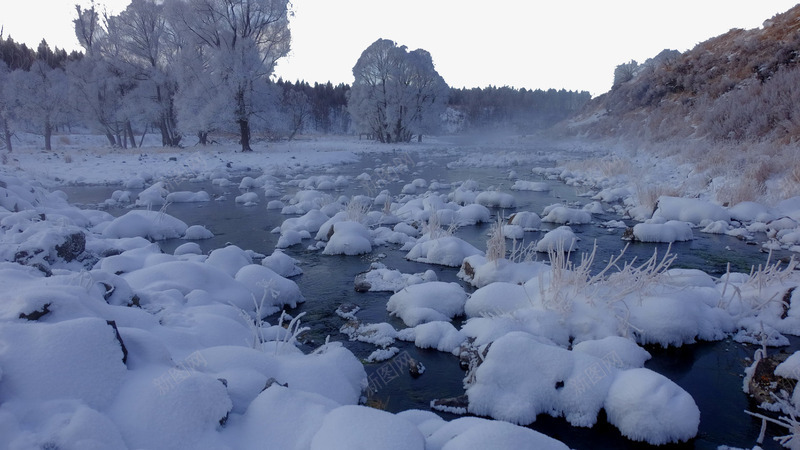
<point x="692" y="210"/>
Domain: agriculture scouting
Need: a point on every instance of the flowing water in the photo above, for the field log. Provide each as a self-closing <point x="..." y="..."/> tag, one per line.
<point x="711" y="372"/>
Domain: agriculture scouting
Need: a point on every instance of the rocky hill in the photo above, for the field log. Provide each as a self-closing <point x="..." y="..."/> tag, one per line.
<point x="729" y="108"/>
<point x="742" y="86"/>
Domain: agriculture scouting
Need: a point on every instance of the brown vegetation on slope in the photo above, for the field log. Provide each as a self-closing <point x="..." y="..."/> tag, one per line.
<point x="742" y="86"/>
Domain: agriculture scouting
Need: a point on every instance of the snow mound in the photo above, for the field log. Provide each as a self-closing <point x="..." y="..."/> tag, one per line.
<point x="147" y="224"/>
<point x="479" y="272"/>
<point x="427" y="302"/>
<point x="496" y="199"/>
<point x="474" y="433"/>
<point x="564" y="215"/>
<point x="351" y="426"/>
<point x="349" y="238"/>
<point x="670" y="231"/>
<point x="75" y="359"/>
<point x="445" y="250"/>
<point x="641" y="403"/>
<point x="692" y="210"/>
<point x="647" y="406"/>
<point x="283" y="264"/>
<point x="529" y="221"/>
<point x="537" y="186"/>
<point x="559" y="239"/>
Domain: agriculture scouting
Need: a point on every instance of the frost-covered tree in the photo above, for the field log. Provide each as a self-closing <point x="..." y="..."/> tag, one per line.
<point x="395" y="94"/>
<point x="97" y="88"/>
<point x="5" y="107"/>
<point x="625" y="72"/>
<point x="38" y="98"/>
<point x="235" y="45"/>
<point x="141" y="46"/>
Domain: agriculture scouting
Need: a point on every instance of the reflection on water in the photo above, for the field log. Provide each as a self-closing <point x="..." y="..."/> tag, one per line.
<point x="710" y="372"/>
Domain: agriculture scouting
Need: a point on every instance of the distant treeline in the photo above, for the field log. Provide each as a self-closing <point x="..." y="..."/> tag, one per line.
<point x="492" y="107"/>
<point x="520" y="110"/>
<point x="320" y="108"/>
<point x="19" y="56"/>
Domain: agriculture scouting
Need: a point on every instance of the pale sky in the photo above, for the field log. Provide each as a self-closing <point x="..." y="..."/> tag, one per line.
<point x="535" y="44"/>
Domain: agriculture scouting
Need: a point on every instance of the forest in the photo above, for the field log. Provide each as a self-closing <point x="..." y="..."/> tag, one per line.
<point x="124" y="90"/>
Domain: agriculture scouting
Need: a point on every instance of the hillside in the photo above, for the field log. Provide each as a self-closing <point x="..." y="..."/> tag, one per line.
<point x="730" y="104"/>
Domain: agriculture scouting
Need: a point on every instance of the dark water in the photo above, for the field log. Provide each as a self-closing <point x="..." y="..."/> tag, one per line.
<point x="711" y="372"/>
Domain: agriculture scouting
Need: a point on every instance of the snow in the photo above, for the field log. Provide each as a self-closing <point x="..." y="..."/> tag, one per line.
<point x="690" y="210"/>
<point x="197" y="232"/>
<point x="427" y="302"/>
<point x="559" y="239"/>
<point x="382" y="279"/>
<point x="670" y="231"/>
<point x="73" y="359"/>
<point x="538" y="186"/>
<point x="349" y="238"/>
<point x="529" y="221"/>
<point x="445" y="250"/>
<point x="495" y="199"/>
<point x="352" y="426"/>
<point x="641" y="403"/>
<point x="563" y="215"/>
<point x="189" y="320"/>
<point x="647" y="406"/>
<point x="468" y="433"/>
<point x="282" y="264"/>
<point x="147" y="224"/>
<point x="441" y="335"/>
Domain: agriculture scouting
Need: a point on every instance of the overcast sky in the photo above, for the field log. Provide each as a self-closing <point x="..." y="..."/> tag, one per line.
<point x="570" y="44"/>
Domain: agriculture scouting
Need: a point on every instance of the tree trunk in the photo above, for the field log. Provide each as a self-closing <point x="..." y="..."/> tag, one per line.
<point x="419" y="137"/>
<point x="48" y="134"/>
<point x="7" y="135"/>
<point x="244" y="131"/>
<point x="141" y="141"/>
<point x="110" y="138"/>
<point x="129" y="133"/>
<point x="202" y="136"/>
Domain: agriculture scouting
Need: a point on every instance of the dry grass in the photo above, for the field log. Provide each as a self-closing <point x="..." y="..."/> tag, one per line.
<point x="648" y="194"/>
<point x="496" y="244"/>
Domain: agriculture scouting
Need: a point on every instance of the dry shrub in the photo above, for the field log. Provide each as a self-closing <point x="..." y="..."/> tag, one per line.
<point x="65" y="140"/>
<point x="614" y="166"/>
<point x="67" y="158"/>
<point x="648" y="194"/>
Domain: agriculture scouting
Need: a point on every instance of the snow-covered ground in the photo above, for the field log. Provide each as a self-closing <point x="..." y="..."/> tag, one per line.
<point x="107" y="342"/>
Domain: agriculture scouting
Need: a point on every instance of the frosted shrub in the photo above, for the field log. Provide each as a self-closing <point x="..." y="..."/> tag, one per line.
<point x="496" y="244"/>
<point x="356" y="211"/>
<point x="568" y="280"/>
<point x="434" y="227"/>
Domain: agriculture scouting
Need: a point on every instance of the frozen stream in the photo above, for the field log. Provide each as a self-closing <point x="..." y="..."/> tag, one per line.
<point x="710" y="372"/>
